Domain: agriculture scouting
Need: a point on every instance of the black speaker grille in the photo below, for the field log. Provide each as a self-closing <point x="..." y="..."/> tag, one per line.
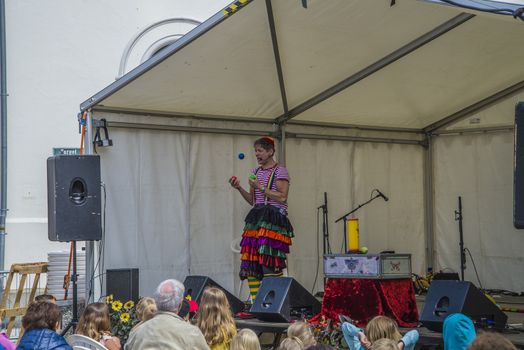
<point x="73" y="198"/>
<point x="123" y="284"/>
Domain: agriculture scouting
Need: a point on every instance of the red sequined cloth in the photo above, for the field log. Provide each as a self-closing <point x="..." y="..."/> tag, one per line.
<point x="362" y="299"/>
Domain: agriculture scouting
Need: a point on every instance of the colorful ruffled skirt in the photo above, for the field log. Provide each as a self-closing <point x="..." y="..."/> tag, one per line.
<point x="265" y="242"/>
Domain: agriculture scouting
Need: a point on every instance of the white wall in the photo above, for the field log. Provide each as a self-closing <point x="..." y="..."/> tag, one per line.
<point x="59" y="53"/>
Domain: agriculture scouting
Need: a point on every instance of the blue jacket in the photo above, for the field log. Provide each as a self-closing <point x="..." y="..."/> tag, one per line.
<point x="351" y="331"/>
<point x="43" y="339"/>
<point x="458" y="332"/>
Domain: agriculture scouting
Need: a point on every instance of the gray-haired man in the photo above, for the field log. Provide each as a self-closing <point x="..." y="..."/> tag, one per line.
<point x="166" y="330"/>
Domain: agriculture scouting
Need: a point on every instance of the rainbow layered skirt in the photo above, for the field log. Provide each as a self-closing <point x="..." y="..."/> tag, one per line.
<point x="265" y="241"/>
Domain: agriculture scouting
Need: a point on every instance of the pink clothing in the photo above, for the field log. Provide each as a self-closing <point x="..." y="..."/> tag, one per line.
<point x="5" y="342"/>
<point x="263" y="176"/>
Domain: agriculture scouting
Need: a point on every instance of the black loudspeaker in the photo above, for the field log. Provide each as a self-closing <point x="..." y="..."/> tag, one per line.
<point x="450" y="297"/>
<point x="73" y="198"/>
<point x="123" y="284"/>
<point x="281" y="299"/>
<point x="518" y="168"/>
<point x="446" y="276"/>
<point x="195" y="286"/>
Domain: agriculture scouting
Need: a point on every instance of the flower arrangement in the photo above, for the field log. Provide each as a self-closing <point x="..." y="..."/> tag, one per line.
<point x="326" y="332"/>
<point x="123" y="317"/>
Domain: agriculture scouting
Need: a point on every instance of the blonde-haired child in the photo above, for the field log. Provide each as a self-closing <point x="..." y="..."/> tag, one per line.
<point x="302" y="331"/>
<point x="246" y="339"/>
<point x="145" y="310"/>
<point x="384" y="344"/>
<point x="215" y="320"/>
<point x="379" y="327"/>
<point x="291" y="343"/>
<point x="95" y="323"/>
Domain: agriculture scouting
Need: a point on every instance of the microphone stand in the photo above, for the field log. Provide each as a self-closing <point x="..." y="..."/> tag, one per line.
<point x="458" y="217"/>
<point x="344" y="217"/>
<point x="325" y="228"/>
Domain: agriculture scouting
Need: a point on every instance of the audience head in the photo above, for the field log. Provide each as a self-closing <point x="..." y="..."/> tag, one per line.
<point x="291" y="343"/>
<point x="382" y="327"/>
<point x="46" y="297"/>
<point x="246" y="339"/>
<point x="385" y="344"/>
<point x="95" y="321"/>
<point x="145" y="309"/>
<point x="458" y="332"/>
<point x="169" y="295"/>
<point x="41" y="314"/>
<point x="320" y="347"/>
<point x="214" y="317"/>
<point x="491" y="340"/>
<point x="302" y="331"/>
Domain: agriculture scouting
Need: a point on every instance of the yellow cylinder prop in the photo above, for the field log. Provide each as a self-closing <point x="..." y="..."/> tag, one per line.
<point x="353" y="240"/>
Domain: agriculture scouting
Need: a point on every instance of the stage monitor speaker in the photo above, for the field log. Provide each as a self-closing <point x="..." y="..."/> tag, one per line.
<point x="123" y="284"/>
<point x="195" y="286"/>
<point x="518" y="168"/>
<point x="281" y="299"/>
<point x="449" y="297"/>
<point x="454" y="276"/>
<point x="73" y="198"/>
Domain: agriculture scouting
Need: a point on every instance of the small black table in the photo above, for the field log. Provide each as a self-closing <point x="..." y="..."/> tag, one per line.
<point x="259" y="327"/>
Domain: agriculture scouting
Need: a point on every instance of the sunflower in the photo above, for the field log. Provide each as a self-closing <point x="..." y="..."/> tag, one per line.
<point x="125" y="317"/>
<point x="116" y="305"/>
<point x="109" y="299"/>
<point x="129" y="305"/>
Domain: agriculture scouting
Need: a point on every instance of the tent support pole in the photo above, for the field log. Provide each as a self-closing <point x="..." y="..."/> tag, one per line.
<point x="241" y="119"/>
<point x="429" y="202"/>
<point x="3" y="134"/>
<point x="376" y="66"/>
<point x="276" y="52"/>
<point x="282" y="145"/>
<point x="90" y="245"/>
<point x="478" y="106"/>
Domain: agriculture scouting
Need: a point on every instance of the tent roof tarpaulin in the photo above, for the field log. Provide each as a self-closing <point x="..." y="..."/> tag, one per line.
<point x="413" y="65"/>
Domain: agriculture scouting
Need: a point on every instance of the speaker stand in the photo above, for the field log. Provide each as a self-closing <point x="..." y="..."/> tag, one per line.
<point x="74" y="278"/>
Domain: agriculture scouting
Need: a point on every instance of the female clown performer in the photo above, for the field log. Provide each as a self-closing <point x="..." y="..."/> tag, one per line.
<point x="267" y="232"/>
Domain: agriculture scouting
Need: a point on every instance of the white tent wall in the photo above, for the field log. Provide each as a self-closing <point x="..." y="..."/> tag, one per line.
<point x="145" y="178"/>
<point x="217" y="211"/>
<point x="170" y="211"/>
<point x="478" y="167"/>
<point x="348" y="172"/>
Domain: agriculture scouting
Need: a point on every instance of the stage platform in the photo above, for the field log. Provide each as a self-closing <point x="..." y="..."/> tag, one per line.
<point x="271" y="332"/>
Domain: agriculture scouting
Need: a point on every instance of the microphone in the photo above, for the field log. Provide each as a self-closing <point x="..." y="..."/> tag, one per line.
<point x="382" y="195"/>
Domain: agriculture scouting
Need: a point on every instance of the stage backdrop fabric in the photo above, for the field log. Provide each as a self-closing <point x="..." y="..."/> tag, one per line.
<point x="478" y="167"/>
<point x="171" y="212"/>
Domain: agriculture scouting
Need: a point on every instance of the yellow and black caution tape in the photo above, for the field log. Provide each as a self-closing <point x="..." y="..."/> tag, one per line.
<point x="235" y="6"/>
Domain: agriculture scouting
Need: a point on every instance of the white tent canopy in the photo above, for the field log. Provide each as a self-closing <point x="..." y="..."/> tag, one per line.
<point x="336" y="71"/>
